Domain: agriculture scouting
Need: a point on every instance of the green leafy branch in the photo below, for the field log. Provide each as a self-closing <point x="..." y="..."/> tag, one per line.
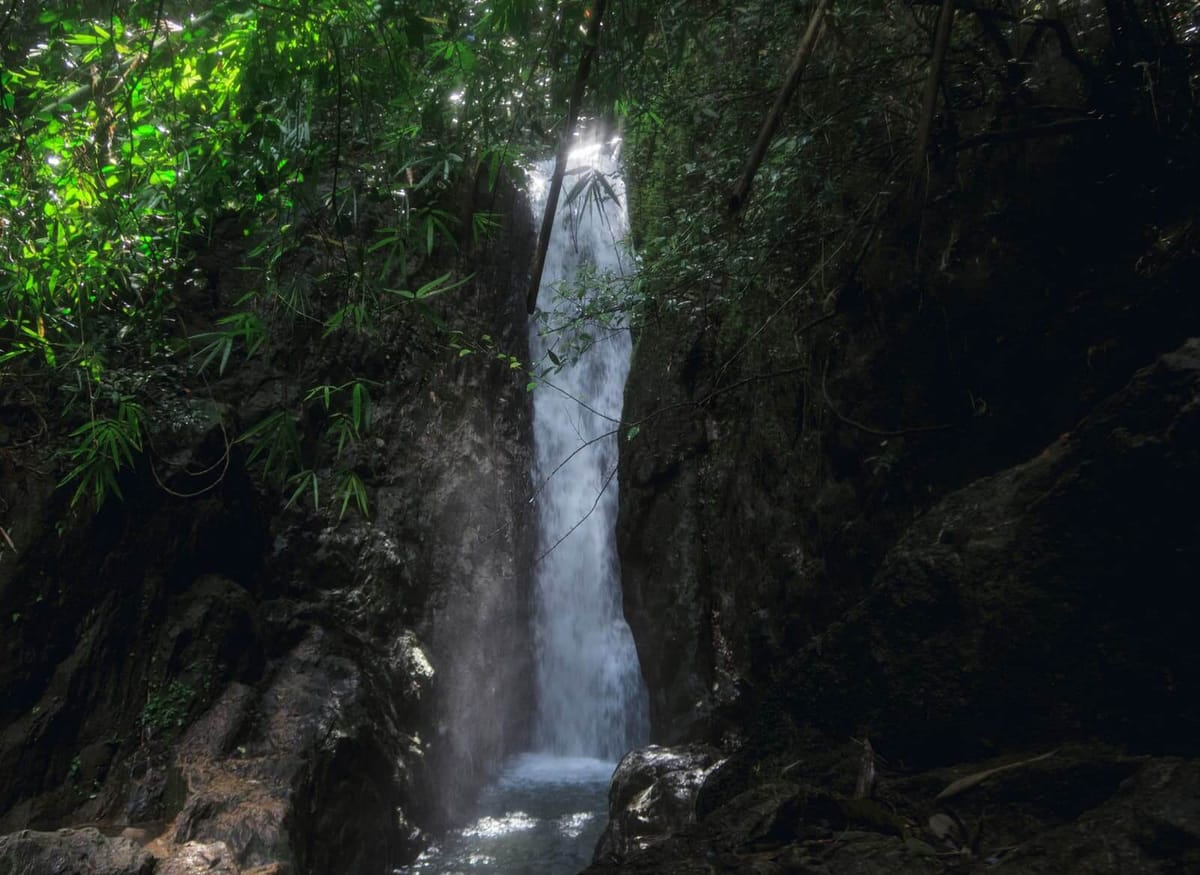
<point x="105" y="446"/>
<point x="244" y="326"/>
<point x="276" y="446"/>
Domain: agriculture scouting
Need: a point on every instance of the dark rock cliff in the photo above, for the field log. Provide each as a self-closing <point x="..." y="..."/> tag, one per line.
<point x="941" y="511"/>
<point x="758" y="505"/>
<point x="227" y="680"/>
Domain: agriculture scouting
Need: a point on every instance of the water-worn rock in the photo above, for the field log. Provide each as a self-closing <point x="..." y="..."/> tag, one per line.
<point x="196" y="858"/>
<point x="778" y="826"/>
<point x="70" y="851"/>
<point x="653" y="795"/>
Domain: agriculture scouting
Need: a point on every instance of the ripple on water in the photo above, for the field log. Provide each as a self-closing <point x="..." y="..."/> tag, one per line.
<point x="541" y="817"/>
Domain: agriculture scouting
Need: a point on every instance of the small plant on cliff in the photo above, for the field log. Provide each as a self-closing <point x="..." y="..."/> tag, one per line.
<point x="76" y="768"/>
<point x="244" y="326"/>
<point x="277" y="447"/>
<point x="166" y="709"/>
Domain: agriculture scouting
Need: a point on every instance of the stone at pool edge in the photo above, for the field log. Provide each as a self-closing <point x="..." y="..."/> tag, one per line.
<point x="653" y="795"/>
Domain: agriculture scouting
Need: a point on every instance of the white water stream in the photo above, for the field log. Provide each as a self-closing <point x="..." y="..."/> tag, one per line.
<point x="591" y="699"/>
<point x="545" y="813"/>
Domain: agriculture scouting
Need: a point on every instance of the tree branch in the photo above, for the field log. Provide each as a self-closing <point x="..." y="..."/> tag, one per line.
<point x="560" y="159"/>
<point x="582" y="519"/>
<point x="741" y="191"/>
<point x="941" y="43"/>
<point x="878" y="432"/>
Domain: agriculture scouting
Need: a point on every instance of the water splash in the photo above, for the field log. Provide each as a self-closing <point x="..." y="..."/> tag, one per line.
<point x="591" y="697"/>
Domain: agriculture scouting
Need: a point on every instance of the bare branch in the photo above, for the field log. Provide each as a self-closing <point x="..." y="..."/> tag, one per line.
<point x="879" y="432"/>
<point x="941" y="43"/>
<point x="582" y="519"/>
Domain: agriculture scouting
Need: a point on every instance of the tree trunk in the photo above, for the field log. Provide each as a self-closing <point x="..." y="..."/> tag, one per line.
<point x="941" y="42"/>
<point x="560" y="158"/>
<point x="741" y="191"/>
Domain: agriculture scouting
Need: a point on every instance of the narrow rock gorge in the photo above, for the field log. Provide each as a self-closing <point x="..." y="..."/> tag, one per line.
<point x="330" y="542"/>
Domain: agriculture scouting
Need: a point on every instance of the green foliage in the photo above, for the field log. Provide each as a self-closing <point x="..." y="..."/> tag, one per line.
<point x="484" y="225"/>
<point x="305" y="481"/>
<point x="594" y="189"/>
<point x="718" y="68"/>
<point x="129" y="137"/>
<point x="334" y="142"/>
<point x="277" y="450"/>
<point x="275" y="444"/>
<point x="351" y="488"/>
<point x="244" y="326"/>
<point x="100" y="182"/>
<point x="166" y="709"/>
<point x="698" y="78"/>
<point x="104" y="446"/>
<point x="593" y="304"/>
<point x="437" y="286"/>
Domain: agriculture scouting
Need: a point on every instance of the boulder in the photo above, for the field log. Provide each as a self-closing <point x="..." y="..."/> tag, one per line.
<point x="1051" y="601"/>
<point x="1086" y="808"/>
<point x="653" y="795"/>
<point x="195" y="858"/>
<point x="1151" y="824"/>
<point x="72" y="850"/>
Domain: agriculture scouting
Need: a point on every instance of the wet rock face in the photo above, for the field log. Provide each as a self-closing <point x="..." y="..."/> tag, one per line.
<point x="115" y="654"/>
<point x="653" y="795"/>
<point x="665" y="572"/>
<point x="195" y="858"/>
<point x="72" y="850"/>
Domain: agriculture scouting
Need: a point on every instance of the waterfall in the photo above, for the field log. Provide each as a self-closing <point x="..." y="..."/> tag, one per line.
<point x="591" y="697"/>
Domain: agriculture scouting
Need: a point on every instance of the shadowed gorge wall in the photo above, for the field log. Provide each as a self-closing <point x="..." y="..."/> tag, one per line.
<point x="797" y="427"/>
<point x="909" y="497"/>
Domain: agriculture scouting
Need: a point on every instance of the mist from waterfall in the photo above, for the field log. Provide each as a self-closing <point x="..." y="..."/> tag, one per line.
<point x="591" y="697"/>
<point x="545" y="813"/>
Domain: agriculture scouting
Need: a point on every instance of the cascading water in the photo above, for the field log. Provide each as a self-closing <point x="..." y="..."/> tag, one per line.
<point x="591" y="699"/>
<point x="545" y="813"/>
